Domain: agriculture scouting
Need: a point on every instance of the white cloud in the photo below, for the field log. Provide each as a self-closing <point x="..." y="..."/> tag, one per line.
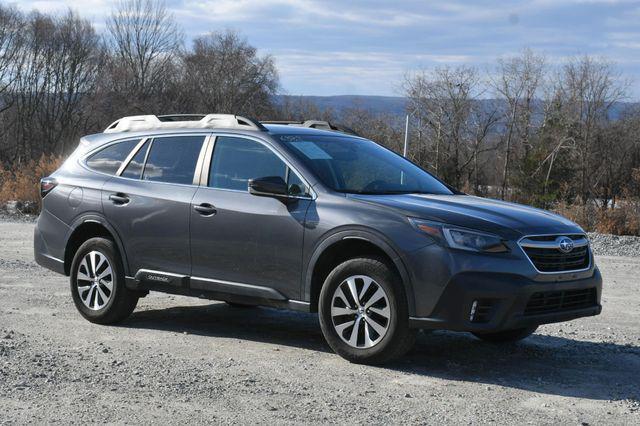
<point x="91" y="9"/>
<point x="367" y="45"/>
<point x="309" y="12"/>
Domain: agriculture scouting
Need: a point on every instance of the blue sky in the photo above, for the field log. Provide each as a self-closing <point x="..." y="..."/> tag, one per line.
<point x="365" y="47"/>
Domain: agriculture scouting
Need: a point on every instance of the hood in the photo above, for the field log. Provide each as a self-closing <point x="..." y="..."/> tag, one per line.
<point x="484" y="214"/>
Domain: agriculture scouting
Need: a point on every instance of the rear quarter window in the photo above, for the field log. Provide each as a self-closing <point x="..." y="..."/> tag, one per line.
<point x="108" y="160"/>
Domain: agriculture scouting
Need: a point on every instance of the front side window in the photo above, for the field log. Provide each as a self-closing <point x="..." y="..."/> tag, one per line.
<point x="173" y="159"/>
<point x="109" y="159"/>
<point x="236" y="160"/>
<point x="360" y="166"/>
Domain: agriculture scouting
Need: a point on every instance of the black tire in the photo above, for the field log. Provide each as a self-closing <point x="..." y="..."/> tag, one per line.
<point x="507" y="335"/>
<point x="121" y="300"/>
<point x="397" y="340"/>
<point x="240" y="305"/>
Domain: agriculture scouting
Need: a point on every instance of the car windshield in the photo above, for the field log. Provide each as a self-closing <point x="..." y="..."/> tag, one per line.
<point x="360" y="166"/>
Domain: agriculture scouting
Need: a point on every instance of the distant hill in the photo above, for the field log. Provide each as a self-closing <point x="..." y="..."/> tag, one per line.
<point x="395" y="105"/>
<point x="375" y="104"/>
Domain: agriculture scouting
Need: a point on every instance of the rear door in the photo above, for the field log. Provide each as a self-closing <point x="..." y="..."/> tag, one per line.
<point x="149" y="202"/>
<point x="247" y="242"/>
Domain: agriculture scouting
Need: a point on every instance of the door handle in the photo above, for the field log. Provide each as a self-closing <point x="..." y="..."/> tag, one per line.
<point x="119" y="199"/>
<point x="205" y="209"/>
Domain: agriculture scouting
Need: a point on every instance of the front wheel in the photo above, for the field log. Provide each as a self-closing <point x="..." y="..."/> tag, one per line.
<point x="98" y="284"/>
<point x="363" y="312"/>
<point x="507" y="335"/>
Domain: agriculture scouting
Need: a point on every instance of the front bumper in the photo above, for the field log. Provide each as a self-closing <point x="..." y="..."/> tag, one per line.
<point x="507" y="297"/>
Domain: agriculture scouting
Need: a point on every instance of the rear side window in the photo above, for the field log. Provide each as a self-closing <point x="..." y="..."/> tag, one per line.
<point x="109" y="159"/>
<point x="173" y="159"/>
<point x="236" y="160"/>
<point x="134" y="168"/>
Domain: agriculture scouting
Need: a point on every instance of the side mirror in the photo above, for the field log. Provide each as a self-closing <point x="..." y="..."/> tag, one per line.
<point x="269" y="186"/>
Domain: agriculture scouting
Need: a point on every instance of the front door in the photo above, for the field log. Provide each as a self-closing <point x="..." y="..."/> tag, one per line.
<point x="239" y="239"/>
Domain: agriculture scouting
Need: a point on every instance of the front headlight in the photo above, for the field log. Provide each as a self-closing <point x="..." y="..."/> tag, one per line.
<point x="460" y="238"/>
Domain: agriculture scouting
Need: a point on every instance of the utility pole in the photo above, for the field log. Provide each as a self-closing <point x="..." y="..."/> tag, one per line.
<point x="406" y="137"/>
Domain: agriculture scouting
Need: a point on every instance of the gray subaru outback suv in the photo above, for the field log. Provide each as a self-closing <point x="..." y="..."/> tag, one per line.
<point x="303" y="216"/>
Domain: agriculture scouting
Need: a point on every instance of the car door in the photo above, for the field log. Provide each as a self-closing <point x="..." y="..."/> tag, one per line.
<point x="149" y="203"/>
<point x="243" y="243"/>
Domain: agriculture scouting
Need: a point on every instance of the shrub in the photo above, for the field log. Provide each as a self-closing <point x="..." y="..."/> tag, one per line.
<point x="624" y="219"/>
<point x="21" y="182"/>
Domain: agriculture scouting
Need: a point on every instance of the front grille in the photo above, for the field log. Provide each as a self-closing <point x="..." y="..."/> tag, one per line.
<point x="547" y="257"/>
<point x="548" y="302"/>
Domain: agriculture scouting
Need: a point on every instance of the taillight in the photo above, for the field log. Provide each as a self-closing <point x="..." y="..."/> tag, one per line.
<point x="46" y="185"/>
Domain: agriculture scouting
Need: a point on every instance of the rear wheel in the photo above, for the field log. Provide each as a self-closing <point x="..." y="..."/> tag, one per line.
<point x="363" y="312"/>
<point x="507" y="335"/>
<point x="98" y="284"/>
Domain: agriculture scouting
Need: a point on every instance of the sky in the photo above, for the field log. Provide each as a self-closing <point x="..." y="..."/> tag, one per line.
<point x="367" y="47"/>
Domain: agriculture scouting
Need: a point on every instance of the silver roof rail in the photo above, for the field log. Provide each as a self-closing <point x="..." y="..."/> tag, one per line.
<point x="316" y="124"/>
<point x="194" y="121"/>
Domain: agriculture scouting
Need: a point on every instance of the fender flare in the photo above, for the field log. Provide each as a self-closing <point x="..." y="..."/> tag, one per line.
<point x="95" y="217"/>
<point x="366" y="234"/>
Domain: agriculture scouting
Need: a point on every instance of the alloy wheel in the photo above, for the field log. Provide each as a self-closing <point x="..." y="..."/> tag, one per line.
<point x="94" y="280"/>
<point x="360" y="312"/>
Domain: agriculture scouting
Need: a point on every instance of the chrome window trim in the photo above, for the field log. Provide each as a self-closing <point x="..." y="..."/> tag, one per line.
<point x="204" y="182"/>
<point x="573" y="271"/>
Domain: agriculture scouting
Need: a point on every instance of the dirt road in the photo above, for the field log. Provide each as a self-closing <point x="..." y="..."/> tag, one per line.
<point x="179" y="360"/>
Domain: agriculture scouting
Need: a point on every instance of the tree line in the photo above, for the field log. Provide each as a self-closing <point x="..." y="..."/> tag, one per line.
<point x="561" y="133"/>
<point x="552" y="135"/>
<point x="60" y="79"/>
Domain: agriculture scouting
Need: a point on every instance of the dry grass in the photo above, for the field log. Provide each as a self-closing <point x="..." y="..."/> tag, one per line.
<point x="622" y="220"/>
<point x="21" y="182"/>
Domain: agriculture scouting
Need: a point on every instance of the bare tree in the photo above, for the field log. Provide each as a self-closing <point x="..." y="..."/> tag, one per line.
<point x="589" y="89"/>
<point x="11" y="59"/>
<point x="61" y="61"/>
<point x="146" y="42"/>
<point x="517" y="83"/>
<point x="446" y="104"/>
<point x="617" y="149"/>
<point x="224" y="74"/>
<point x="300" y="108"/>
<point x="11" y="47"/>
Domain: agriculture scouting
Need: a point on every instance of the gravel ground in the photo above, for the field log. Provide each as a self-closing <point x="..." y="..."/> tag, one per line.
<point x="179" y="360"/>
<point x="615" y="245"/>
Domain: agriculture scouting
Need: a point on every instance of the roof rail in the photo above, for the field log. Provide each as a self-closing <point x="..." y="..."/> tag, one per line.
<point x="181" y="117"/>
<point x="316" y="124"/>
<point x="209" y="121"/>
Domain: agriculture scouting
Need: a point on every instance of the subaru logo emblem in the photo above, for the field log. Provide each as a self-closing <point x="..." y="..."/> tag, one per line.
<point x="565" y="244"/>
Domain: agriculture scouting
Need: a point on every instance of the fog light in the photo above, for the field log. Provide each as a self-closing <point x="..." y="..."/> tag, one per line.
<point x="482" y="310"/>
<point x="474" y="306"/>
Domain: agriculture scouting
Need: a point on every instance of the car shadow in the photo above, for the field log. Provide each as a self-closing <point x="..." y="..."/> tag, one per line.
<point x="544" y="364"/>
